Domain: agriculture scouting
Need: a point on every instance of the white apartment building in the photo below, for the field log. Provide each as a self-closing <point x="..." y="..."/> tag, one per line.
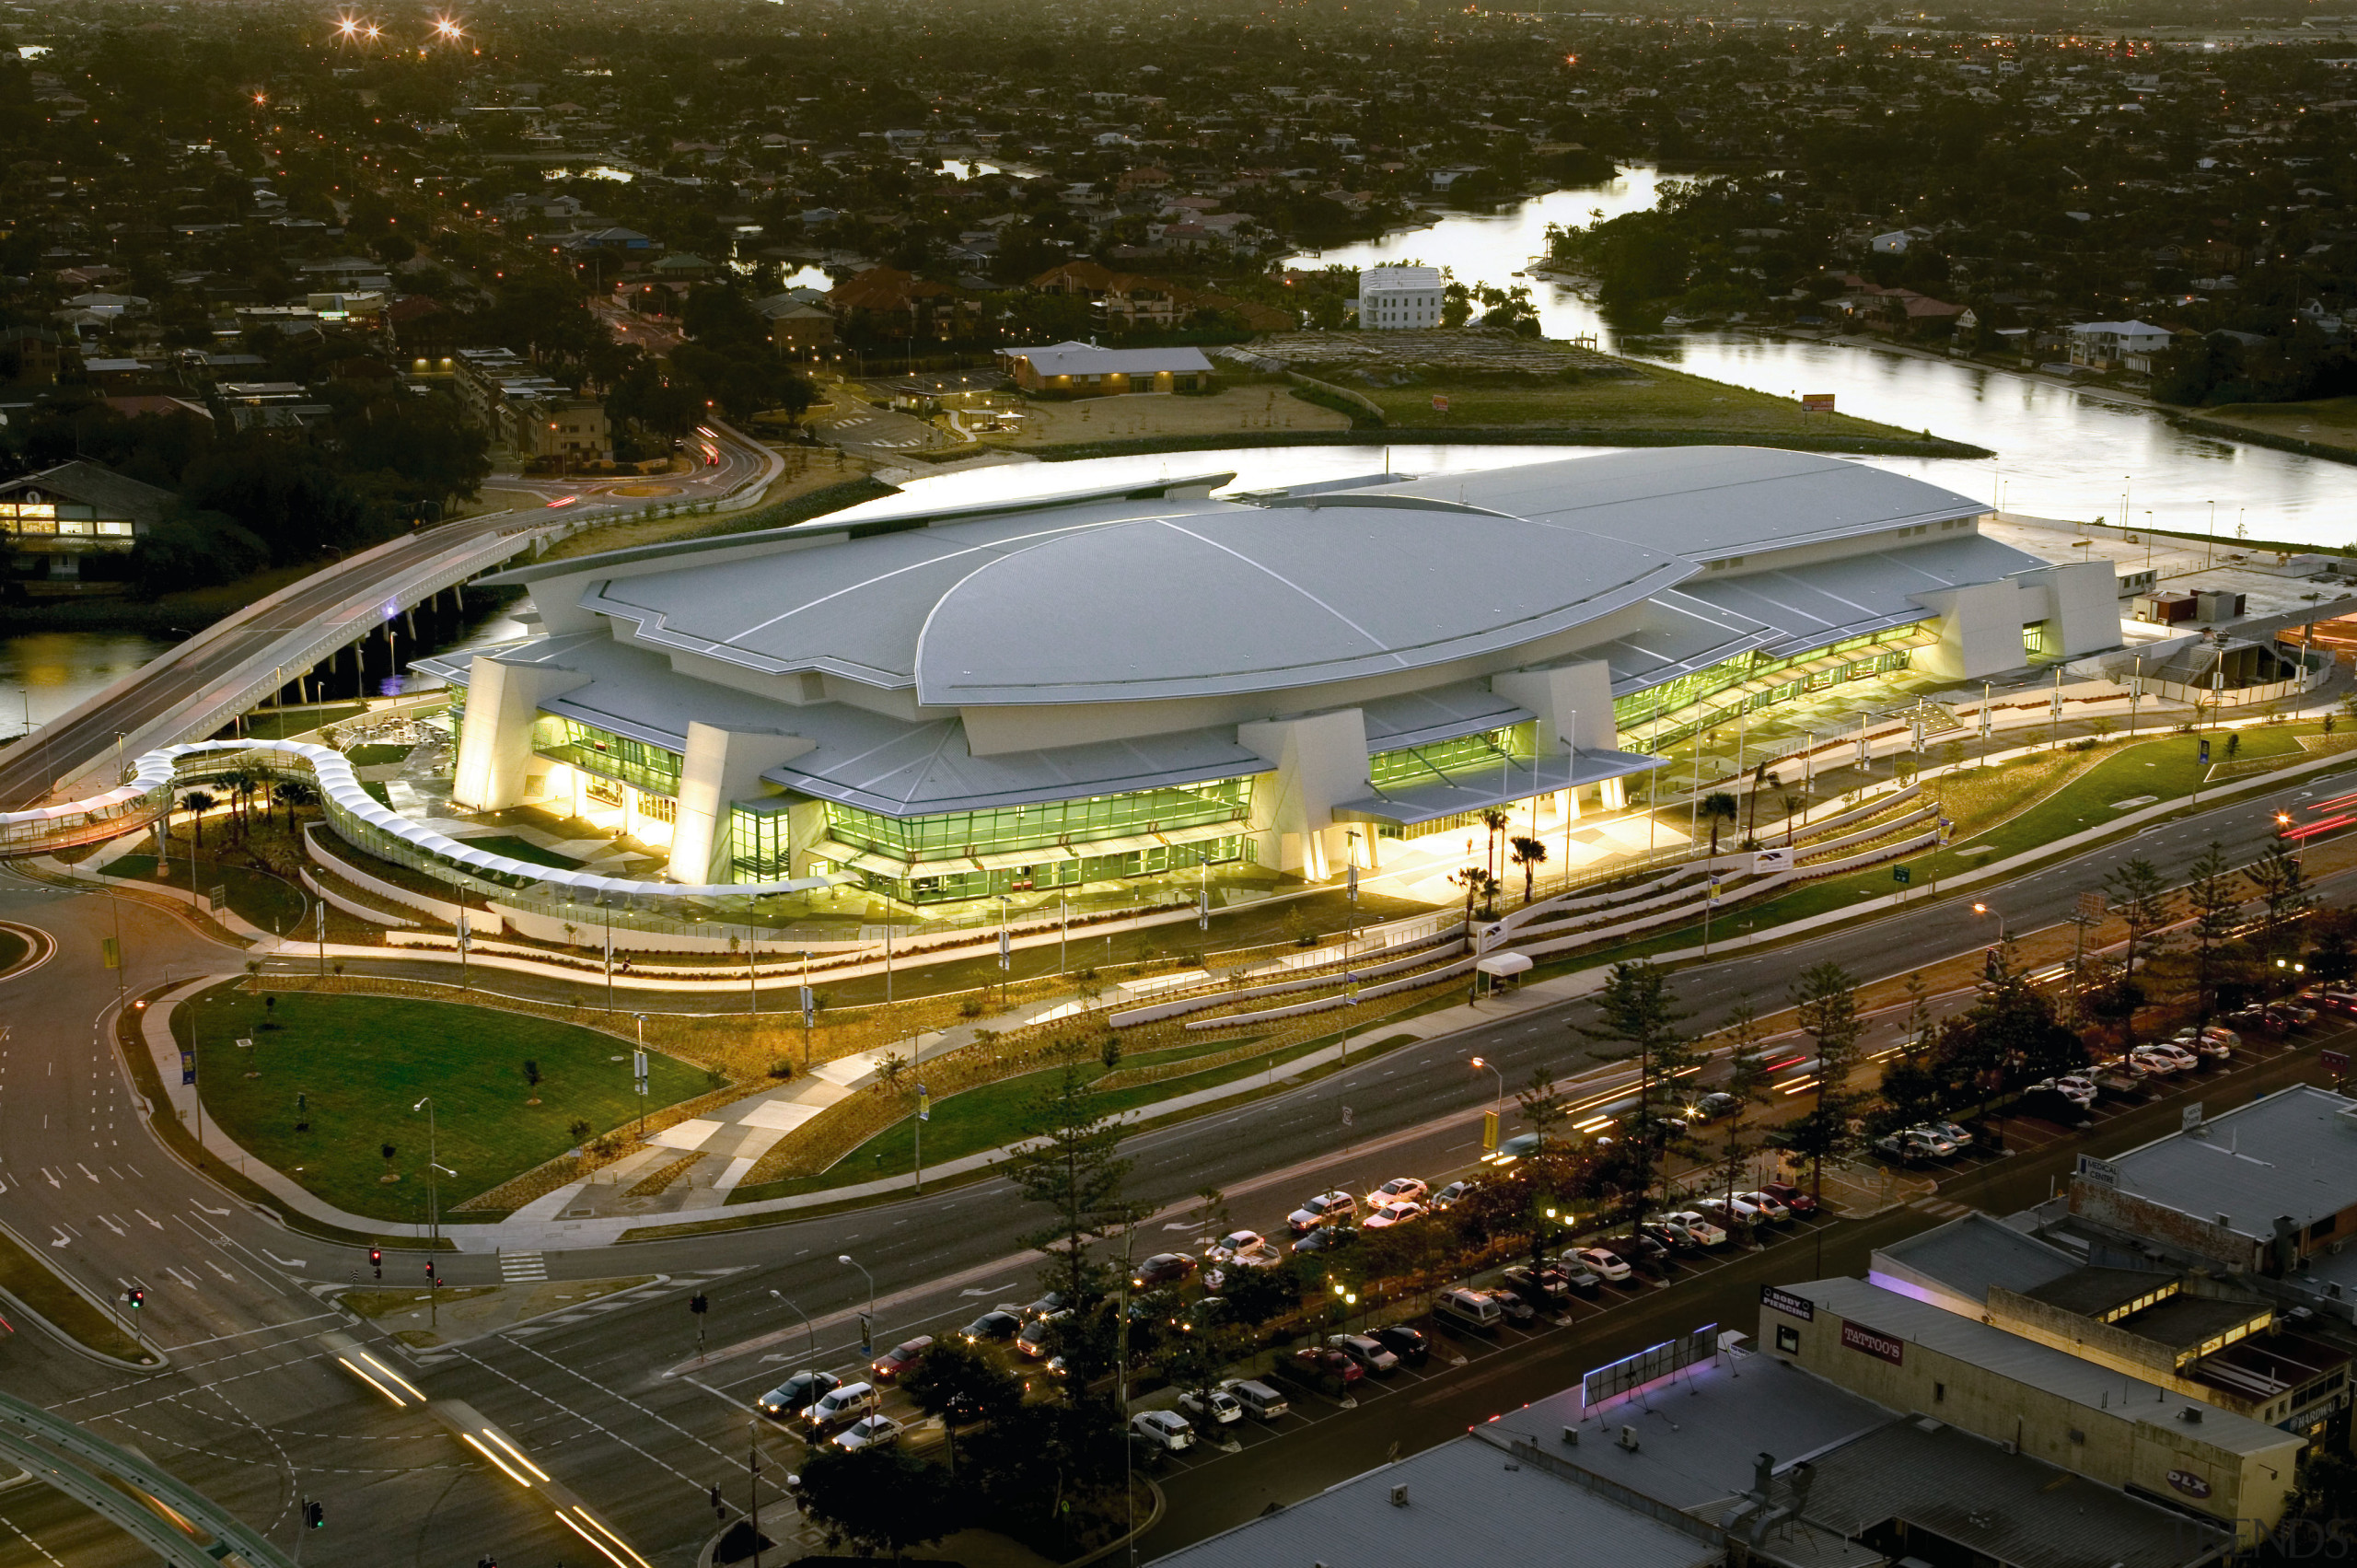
<point x="1397" y="299"/>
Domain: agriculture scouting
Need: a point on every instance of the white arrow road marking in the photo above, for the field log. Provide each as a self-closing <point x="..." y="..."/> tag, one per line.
<point x="985" y="1290"/>
<point x="182" y="1278"/>
<point x="209" y="1210"/>
<point x="144" y="1215"/>
<point x="282" y="1262"/>
<point x="87" y="1171"/>
<point x="108" y="1222"/>
<point x="220" y="1271"/>
<point x="1179" y="1224"/>
<point x="53" y="1177"/>
<point x="63" y="1239"/>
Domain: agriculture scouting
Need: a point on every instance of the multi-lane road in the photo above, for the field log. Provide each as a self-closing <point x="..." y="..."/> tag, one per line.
<point x="255" y="1410"/>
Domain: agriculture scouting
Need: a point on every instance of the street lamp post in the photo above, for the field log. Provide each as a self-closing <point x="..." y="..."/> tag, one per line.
<point x="867" y="1323"/>
<point x="434" y="1170"/>
<point x="1500" y="1109"/>
<point x="2002" y="939"/>
<point x="810" y="1352"/>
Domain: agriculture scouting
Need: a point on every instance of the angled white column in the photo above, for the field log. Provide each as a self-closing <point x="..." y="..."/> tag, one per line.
<point x="720" y="766"/>
<point x="495" y="743"/>
<point x="1322" y="761"/>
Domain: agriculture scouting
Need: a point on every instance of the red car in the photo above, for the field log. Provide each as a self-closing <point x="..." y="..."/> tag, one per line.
<point x="889" y="1366"/>
<point x="1791" y="1197"/>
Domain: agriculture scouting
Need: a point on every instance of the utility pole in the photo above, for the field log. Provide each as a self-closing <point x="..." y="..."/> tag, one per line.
<point x="433" y="1212"/>
<point x="638" y="1071"/>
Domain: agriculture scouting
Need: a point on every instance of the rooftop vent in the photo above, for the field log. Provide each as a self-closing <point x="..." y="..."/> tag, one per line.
<point x="2190" y="1415"/>
<point x="1400" y="1495"/>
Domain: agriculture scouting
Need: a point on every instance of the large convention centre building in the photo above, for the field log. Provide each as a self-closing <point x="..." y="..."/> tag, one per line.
<point x="1074" y="692"/>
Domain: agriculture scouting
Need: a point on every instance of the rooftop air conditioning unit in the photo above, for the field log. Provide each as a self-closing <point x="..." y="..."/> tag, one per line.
<point x="1400" y="1495"/>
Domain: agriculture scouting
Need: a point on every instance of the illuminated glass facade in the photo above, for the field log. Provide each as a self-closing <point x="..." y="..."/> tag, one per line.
<point x="950" y="886"/>
<point x="1701" y="699"/>
<point x="1444" y="759"/>
<point x="651" y="769"/>
<point x="1051" y="824"/>
<point x="756" y="840"/>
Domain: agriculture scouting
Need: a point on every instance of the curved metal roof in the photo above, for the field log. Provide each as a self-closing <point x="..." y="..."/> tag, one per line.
<point x="1226" y="599"/>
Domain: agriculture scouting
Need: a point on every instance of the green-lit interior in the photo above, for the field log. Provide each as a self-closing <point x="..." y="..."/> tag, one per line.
<point x="1666" y="714"/>
<point x="1446" y="759"/>
<point x="594" y="751"/>
<point x="1061" y="871"/>
<point x="757" y="842"/>
<point x="1007" y="829"/>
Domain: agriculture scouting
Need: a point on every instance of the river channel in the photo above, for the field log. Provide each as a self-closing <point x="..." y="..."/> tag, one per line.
<point x="2062" y="452"/>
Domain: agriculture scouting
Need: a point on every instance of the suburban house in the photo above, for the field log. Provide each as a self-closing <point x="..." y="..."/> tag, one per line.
<point x="898" y="304"/>
<point x="52" y="519"/>
<point x="1074" y="369"/>
<point x="2128" y="344"/>
<point x="798" y="320"/>
<point x="528" y="414"/>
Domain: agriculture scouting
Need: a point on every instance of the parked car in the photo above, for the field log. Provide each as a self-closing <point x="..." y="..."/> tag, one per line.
<point x="1165" y="1430"/>
<point x="1214" y="1405"/>
<point x="1036" y="1338"/>
<point x="1473" y="1309"/>
<point x="1642" y="1250"/>
<point x="1606" y="1264"/>
<point x="887" y="1368"/>
<point x="993" y="1327"/>
<point x="1943" y="1146"/>
<point x="1327" y="1208"/>
<point x="1791" y="1197"/>
<point x="2080" y="1093"/>
<point x="1731" y="1212"/>
<point x="1405" y="1187"/>
<point x="796" y="1394"/>
<point x="1666" y="1232"/>
<point x="1320" y="1369"/>
<point x="1705" y="1232"/>
<point x="1220" y="1251"/>
<point x="1399" y="1211"/>
<point x="870" y="1432"/>
<point x="1408" y="1344"/>
<point x="1049" y="1307"/>
<point x="1374" y="1356"/>
<point x="1452" y="1194"/>
<point x="1961" y="1136"/>
<point x="1577" y="1275"/>
<point x="1260" y="1254"/>
<point x="1546" y="1289"/>
<point x="1908" y="1146"/>
<point x="2172" y="1058"/>
<point x="839" y="1407"/>
<point x="1259" y="1401"/>
<point x="1327" y="1238"/>
<point x="1163" y="1269"/>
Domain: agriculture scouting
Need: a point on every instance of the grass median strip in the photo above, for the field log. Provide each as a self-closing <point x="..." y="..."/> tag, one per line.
<point x="31" y="1281"/>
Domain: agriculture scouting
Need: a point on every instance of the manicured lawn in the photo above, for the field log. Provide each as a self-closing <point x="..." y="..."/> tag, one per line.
<point x="1660" y="400"/>
<point x="2165" y="767"/>
<point x="374" y="756"/>
<point x="267" y="902"/>
<point x="359" y="1062"/>
<point x="515" y="848"/>
<point x="992" y="1117"/>
<point x="298" y="721"/>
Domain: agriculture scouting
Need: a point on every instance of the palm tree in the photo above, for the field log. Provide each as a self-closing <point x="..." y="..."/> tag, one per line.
<point x="1528" y="854"/>
<point x="291" y="793"/>
<point x="1473" y="879"/>
<point x="241" y="784"/>
<point x="1718" y="809"/>
<point x="1495" y="821"/>
<point x="196" y="803"/>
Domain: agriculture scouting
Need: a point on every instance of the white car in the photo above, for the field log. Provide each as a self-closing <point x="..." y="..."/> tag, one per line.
<point x="1228" y="1246"/>
<point x="1942" y="1145"/>
<point x="2218" y="1044"/>
<point x="1770" y="1209"/>
<point x="874" y="1431"/>
<point x="2078" y="1091"/>
<point x="2166" y="1058"/>
<point x="1216" y="1405"/>
<point x="2144" y="1064"/>
<point x="1604" y="1264"/>
<point x="1164" y="1429"/>
<point x="839" y="1405"/>
<point x="1960" y="1136"/>
<point x="1704" y="1232"/>
<point x="1399" y="1211"/>
<point x="1405" y="1187"/>
<point x="1737" y="1210"/>
<point x="1324" y="1209"/>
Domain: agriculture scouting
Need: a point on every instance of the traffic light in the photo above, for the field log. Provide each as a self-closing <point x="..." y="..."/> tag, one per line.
<point x="698" y="1304"/>
<point x="138" y="1298"/>
<point x="717" y="1505"/>
<point x="431" y="1279"/>
<point x="377" y="1261"/>
<point x="315" y="1516"/>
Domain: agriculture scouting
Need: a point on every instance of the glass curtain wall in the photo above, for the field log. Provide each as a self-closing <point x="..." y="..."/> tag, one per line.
<point x="1701" y="699"/>
<point x="652" y="770"/>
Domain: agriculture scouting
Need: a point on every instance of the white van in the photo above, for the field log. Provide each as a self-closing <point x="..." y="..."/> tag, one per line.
<point x="843" y="1404"/>
<point x="1469" y="1310"/>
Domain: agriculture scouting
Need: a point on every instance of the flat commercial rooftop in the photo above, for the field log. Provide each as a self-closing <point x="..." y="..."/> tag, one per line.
<point x="2293" y="1152"/>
